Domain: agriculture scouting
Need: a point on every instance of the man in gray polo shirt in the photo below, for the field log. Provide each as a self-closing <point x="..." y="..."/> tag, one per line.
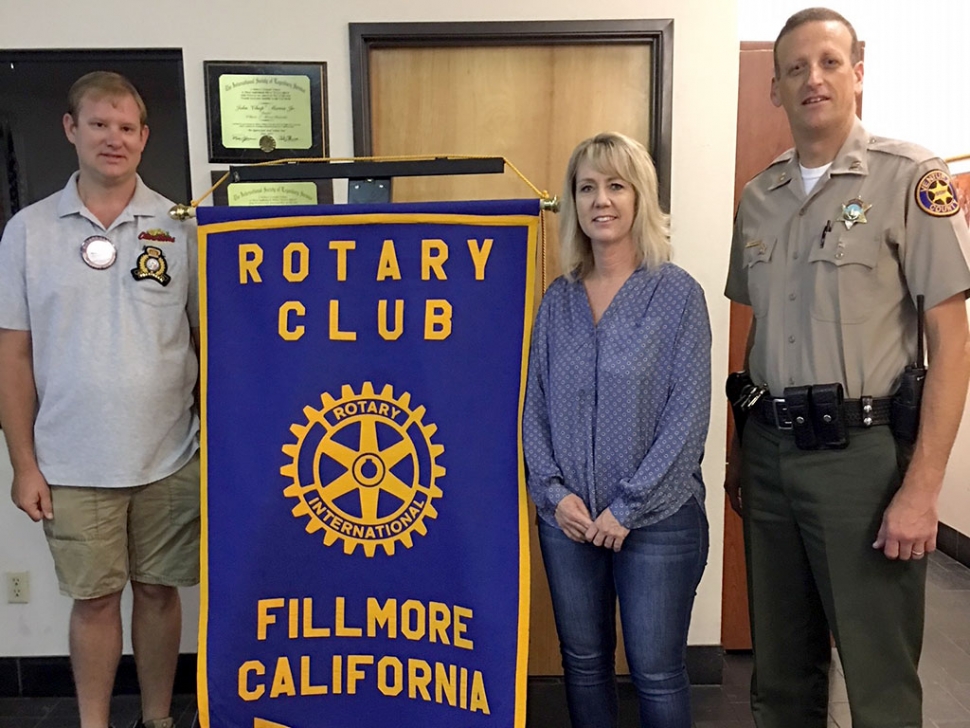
<point x="833" y="245"/>
<point x="98" y="314"/>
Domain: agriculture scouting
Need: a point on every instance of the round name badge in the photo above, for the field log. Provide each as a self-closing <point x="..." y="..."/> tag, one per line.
<point x="99" y="252"/>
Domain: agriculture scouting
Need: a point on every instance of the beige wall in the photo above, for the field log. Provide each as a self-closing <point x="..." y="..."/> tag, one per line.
<point x="704" y="112"/>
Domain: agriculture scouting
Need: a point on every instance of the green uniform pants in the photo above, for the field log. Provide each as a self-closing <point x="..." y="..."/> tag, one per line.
<point x="810" y="518"/>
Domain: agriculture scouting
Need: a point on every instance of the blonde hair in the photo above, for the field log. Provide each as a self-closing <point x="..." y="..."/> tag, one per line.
<point x="104" y="84"/>
<point x="616" y="154"/>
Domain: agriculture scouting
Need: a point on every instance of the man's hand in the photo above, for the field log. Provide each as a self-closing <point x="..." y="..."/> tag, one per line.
<point x="909" y="524"/>
<point x="32" y="495"/>
<point x="606" y="531"/>
<point x="573" y="517"/>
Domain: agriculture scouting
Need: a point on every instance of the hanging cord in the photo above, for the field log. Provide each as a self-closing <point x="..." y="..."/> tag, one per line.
<point x="542" y="248"/>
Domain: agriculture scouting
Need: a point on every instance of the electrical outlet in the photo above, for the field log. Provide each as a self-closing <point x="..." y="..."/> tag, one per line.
<point x="18" y="587"/>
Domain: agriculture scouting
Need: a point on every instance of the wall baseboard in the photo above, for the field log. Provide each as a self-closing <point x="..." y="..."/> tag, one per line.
<point x="50" y="677"/>
<point x="954" y="544"/>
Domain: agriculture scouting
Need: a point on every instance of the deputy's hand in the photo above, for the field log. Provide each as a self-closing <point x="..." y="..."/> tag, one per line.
<point x="909" y="524"/>
<point x="606" y="531"/>
<point x="573" y="517"/>
<point x="31" y="494"/>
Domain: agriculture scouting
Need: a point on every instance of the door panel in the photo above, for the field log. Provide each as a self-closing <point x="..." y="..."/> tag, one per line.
<point x="530" y="104"/>
<point x="763" y="134"/>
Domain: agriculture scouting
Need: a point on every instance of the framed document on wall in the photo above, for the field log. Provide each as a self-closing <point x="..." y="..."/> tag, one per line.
<point x="258" y="112"/>
<point x="242" y="194"/>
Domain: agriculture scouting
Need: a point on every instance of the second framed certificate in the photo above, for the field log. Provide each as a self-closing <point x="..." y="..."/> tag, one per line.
<point x="263" y="111"/>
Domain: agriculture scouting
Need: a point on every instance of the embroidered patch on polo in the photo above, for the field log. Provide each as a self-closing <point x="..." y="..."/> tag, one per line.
<point x="157" y="235"/>
<point x="152" y="266"/>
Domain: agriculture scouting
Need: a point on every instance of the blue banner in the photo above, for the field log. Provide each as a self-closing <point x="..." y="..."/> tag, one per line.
<point x="365" y="543"/>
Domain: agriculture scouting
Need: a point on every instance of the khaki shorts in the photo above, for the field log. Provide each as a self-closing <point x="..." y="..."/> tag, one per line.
<point x="102" y="537"/>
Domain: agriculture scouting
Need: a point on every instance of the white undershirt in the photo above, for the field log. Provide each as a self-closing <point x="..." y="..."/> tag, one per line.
<point x="810" y="177"/>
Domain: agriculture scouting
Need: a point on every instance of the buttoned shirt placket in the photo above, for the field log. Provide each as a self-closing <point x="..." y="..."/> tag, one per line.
<point x="799" y="237"/>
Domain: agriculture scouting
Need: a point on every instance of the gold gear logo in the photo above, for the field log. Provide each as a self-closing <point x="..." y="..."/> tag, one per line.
<point x="364" y="469"/>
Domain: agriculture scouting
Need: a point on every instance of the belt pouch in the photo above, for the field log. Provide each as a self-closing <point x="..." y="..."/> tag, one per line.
<point x="799" y="403"/>
<point x="906" y="404"/>
<point x="828" y="412"/>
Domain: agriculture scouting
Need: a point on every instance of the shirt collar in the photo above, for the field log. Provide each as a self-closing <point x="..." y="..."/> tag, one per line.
<point x="784" y="169"/>
<point x="851" y="159"/>
<point x="70" y="201"/>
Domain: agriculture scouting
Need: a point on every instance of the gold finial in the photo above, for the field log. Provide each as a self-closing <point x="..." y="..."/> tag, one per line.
<point x="549" y="203"/>
<point x="181" y="212"/>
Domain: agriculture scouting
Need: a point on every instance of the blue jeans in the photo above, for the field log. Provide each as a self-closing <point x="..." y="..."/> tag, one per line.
<point x="655" y="577"/>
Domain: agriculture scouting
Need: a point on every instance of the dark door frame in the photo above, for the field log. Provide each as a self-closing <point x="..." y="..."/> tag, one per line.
<point x="116" y="59"/>
<point x="657" y="34"/>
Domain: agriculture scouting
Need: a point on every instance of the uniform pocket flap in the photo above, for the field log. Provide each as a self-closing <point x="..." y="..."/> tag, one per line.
<point x="758" y="251"/>
<point x="848" y="250"/>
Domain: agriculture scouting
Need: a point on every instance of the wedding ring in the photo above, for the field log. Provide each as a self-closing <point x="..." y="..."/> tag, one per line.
<point x="917" y="554"/>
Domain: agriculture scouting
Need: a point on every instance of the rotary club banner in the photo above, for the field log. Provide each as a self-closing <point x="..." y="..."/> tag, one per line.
<point x="365" y="555"/>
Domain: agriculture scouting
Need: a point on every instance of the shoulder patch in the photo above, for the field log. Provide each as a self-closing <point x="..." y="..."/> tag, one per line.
<point x="936" y="195"/>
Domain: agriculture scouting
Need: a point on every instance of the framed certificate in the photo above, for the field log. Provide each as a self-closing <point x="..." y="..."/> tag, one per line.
<point x="263" y="111"/>
<point x="241" y="194"/>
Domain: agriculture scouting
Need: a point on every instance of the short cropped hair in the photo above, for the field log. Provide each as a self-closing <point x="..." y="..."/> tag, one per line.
<point x="101" y="84"/>
<point x="617" y="155"/>
<point x="816" y="15"/>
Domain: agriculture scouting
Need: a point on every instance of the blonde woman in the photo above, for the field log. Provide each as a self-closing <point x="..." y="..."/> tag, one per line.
<point x="616" y="414"/>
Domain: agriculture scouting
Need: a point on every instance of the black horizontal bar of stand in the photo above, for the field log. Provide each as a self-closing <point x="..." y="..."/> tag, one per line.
<point x="365" y="170"/>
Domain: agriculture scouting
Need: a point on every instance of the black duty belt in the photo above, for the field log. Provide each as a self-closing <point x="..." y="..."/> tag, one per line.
<point x="865" y="412"/>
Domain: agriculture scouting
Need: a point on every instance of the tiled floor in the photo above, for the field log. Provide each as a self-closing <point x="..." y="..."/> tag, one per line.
<point x="945" y="670"/>
<point x="945" y="667"/>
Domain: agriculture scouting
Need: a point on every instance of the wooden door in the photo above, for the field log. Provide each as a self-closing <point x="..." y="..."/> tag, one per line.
<point x="763" y="134"/>
<point x="530" y="104"/>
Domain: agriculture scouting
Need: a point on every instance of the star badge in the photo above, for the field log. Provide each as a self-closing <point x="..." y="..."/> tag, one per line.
<point x="854" y="211"/>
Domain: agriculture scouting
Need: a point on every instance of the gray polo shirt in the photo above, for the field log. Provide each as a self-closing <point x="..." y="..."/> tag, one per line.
<point x="835" y="302"/>
<point x="113" y="358"/>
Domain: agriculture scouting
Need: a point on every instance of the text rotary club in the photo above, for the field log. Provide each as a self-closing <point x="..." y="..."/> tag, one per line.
<point x="390" y="319"/>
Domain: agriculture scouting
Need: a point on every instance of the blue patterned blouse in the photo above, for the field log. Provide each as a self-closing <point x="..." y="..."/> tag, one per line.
<point x="617" y="412"/>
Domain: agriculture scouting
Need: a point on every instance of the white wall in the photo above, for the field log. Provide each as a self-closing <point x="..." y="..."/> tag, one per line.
<point x="704" y="109"/>
<point x="917" y="88"/>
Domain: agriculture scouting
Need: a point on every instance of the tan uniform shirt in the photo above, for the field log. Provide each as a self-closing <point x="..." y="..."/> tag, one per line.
<point x="835" y="302"/>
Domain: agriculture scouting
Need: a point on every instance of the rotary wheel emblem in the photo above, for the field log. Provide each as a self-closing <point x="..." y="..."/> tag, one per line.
<point x="364" y="469"/>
